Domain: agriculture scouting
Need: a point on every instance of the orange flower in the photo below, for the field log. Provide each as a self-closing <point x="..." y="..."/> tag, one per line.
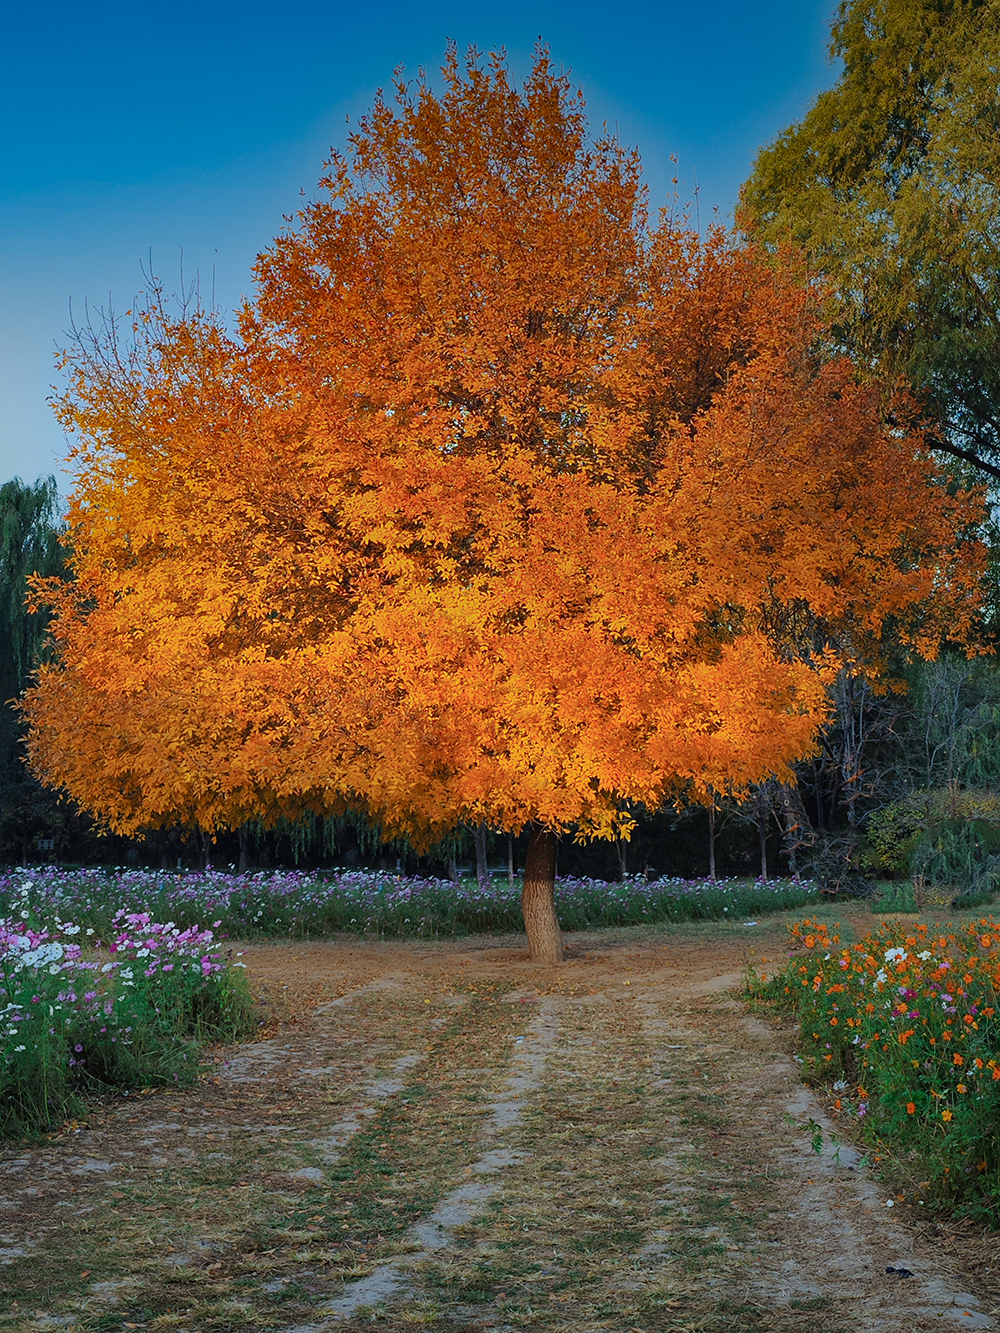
<point x="962" y="1088"/>
<point x="946" y="1116"/>
<point x="956" y="1059"/>
<point x="910" y="1108"/>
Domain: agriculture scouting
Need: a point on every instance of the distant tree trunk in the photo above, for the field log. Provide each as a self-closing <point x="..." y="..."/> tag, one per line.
<point x="538" y="898"/>
<point x="622" y="847"/>
<point x="711" y="841"/>
<point x="482" y="869"/>
<point x="818" y="793"/>
<point x="206" y="847"/>
<point x="762" y="835"/>
<point x="510" y="860"/>
<point x="798" y="831"/>
<point x="453" y="866"/>
<point x="244" y="838"/>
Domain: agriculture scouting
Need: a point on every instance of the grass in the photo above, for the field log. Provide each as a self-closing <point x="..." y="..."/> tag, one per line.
<point x="906" y="896"/>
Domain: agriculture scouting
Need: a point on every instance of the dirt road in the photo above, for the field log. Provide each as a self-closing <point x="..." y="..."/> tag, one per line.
<point x="443" y="1135"/>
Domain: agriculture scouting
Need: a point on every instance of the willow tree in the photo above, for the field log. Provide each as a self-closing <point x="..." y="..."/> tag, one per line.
<point x="502" y="507"/>
<point x="30" y="532"/>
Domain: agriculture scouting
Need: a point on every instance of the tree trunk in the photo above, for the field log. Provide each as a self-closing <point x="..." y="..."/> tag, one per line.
<point x="244" y="837"/>
<point x="206" y="848"/>
<point x="538" y="898"/>
<point x="453" y="866"/>
<point x="622" y="846"/>
<point x="482" y="869"/>
<point x="510" y="860"/>
<point x="762" y="834"/>
<point x="711" y="842"/>
<point x="798" y="831"/>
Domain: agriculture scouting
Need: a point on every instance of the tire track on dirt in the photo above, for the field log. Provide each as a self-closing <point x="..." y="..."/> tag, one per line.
<point x="457" y="1208"/>
<point x="257" y="1128"/>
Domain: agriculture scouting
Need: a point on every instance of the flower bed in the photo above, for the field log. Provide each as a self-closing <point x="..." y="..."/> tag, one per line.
<point x="296" y="903"/>
<point x="79" y="1012"/>
<point x="905" y="1026"/>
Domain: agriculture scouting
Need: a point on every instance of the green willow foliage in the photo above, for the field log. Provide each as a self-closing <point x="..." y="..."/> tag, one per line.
<point x="30" y="532"/>
<point x="891" y="183"/>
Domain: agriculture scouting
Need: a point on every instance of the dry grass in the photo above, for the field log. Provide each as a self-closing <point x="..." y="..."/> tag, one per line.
<point x="657" y="1179"/>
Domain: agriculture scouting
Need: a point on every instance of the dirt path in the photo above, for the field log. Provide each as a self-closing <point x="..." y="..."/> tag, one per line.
<point x="444" y="1136"/>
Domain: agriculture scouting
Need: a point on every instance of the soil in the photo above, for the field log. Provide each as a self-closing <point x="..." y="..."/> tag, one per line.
<point x="443" y="1134"/>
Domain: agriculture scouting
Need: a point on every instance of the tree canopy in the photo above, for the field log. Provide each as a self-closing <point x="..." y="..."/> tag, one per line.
<point x="891" y="183"/>
<point x="501" y="505"/>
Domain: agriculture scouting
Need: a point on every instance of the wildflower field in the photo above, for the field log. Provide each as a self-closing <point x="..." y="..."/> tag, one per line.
<point x="296" y="904"/>
<point x="904" y="1027"/>
<point x="124" y="1008"/>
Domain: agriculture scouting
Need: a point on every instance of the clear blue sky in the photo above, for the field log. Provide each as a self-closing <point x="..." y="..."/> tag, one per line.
<point x="154" y="128"/>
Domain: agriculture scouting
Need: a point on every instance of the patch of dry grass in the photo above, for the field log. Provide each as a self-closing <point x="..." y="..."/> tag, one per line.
<point x="231" y="1236"/>
<point x="615" y="1221"/>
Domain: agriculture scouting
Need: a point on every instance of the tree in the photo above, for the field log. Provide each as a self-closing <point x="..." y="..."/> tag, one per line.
<point x="30" y="531"/>
<point x="501" y="508"/>
<point x="891" y="182"/>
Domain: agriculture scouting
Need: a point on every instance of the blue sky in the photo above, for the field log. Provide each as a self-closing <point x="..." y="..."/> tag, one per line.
<point x="152" y="129"/>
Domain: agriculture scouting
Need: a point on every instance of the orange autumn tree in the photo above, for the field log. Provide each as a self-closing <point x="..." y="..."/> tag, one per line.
<point x="501" y="505"/>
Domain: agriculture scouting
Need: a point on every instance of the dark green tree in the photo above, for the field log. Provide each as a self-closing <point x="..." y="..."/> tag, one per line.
<point x="30" y="531"/>
<point x="891" y="183"/>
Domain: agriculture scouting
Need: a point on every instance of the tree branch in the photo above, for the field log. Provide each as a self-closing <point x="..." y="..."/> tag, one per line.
<point x="946" y="447"/>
